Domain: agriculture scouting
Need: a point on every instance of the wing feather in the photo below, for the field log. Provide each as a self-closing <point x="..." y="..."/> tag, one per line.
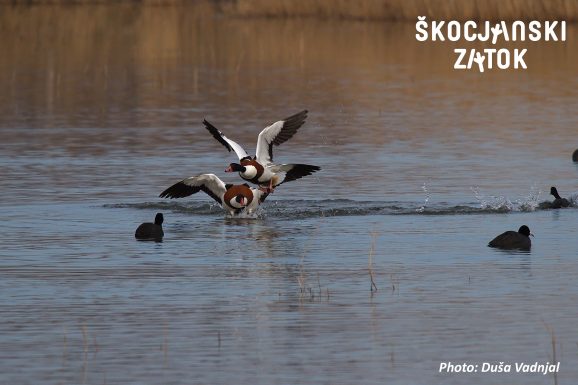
<point x="294" y="171"/>
<point x="209" y="183"/>
<point x="228" y="143"/>
<point x="277" y="133"/>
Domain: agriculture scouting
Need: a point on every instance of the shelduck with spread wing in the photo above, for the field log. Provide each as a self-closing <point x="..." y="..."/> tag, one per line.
<point x="233" y="198"/>
<point x="260" y="168"/>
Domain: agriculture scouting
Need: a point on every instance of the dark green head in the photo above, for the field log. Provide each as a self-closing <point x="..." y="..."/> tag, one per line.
<point x="235" y="167"/>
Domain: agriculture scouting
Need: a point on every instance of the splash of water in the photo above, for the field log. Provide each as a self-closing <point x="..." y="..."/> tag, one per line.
<point x="530" y="202"/>
<point x="422" y="208"/>
<point x="259" y="213"/>
<point x="502" y="203"/>
<point x="300" y="209"/>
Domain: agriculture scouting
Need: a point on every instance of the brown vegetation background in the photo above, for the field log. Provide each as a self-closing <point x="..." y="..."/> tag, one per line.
<point x="406" y="10"/>
<point x="145" y="64"/>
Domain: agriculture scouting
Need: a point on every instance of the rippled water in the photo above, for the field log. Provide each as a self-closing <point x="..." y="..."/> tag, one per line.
<point x="421" y="167"/>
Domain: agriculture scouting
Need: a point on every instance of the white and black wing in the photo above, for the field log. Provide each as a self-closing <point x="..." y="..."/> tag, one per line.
<point x="228" y="143"/>
<point x="277" y="133"/>
<point x="294" y="171"/>
<point x="209" y="183"/>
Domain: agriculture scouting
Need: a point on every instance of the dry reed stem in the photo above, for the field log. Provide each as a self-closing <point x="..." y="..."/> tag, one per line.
<point x="550" y="330"/>
<point x="65" y="347"/>
<point x="165" y="343"/>
<point x="85" y="352"/>
<point x="373" y="286"/>
<point x="301" y="278"/>
<point x="392" y="279"/>
<point x="95" y="344"/>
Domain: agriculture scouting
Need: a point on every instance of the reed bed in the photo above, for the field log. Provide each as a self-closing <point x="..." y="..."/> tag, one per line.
<point x="408" y="10"/>
<point x="393" y="10"/>
<point x="59" y="60"/>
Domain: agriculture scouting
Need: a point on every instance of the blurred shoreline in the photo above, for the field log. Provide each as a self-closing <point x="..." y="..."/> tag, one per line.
<point x="128" y="65"/>
<point x="378" y="10"/>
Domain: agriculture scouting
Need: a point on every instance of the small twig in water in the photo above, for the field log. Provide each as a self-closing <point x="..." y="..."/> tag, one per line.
<point x="302" y="277"/>
<point x="373" y="286"/>
<point x="95" y="343"/>
<point x="165" y="342"/>
<point x="85" y="352"/>
<point x="553" y="341"/>
<point x="65" y="348"/>
<point x="301" y="281"/>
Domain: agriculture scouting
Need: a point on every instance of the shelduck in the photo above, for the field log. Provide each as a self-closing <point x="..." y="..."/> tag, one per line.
<point x="260" y="168"/>
<point x="233" y="198"/>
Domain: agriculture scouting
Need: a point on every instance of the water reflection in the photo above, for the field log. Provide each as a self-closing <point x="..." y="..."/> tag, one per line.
<point x="134" y="66"/>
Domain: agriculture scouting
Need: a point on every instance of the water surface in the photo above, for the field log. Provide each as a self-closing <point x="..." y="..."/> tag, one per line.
<point x="424" y="163"/>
